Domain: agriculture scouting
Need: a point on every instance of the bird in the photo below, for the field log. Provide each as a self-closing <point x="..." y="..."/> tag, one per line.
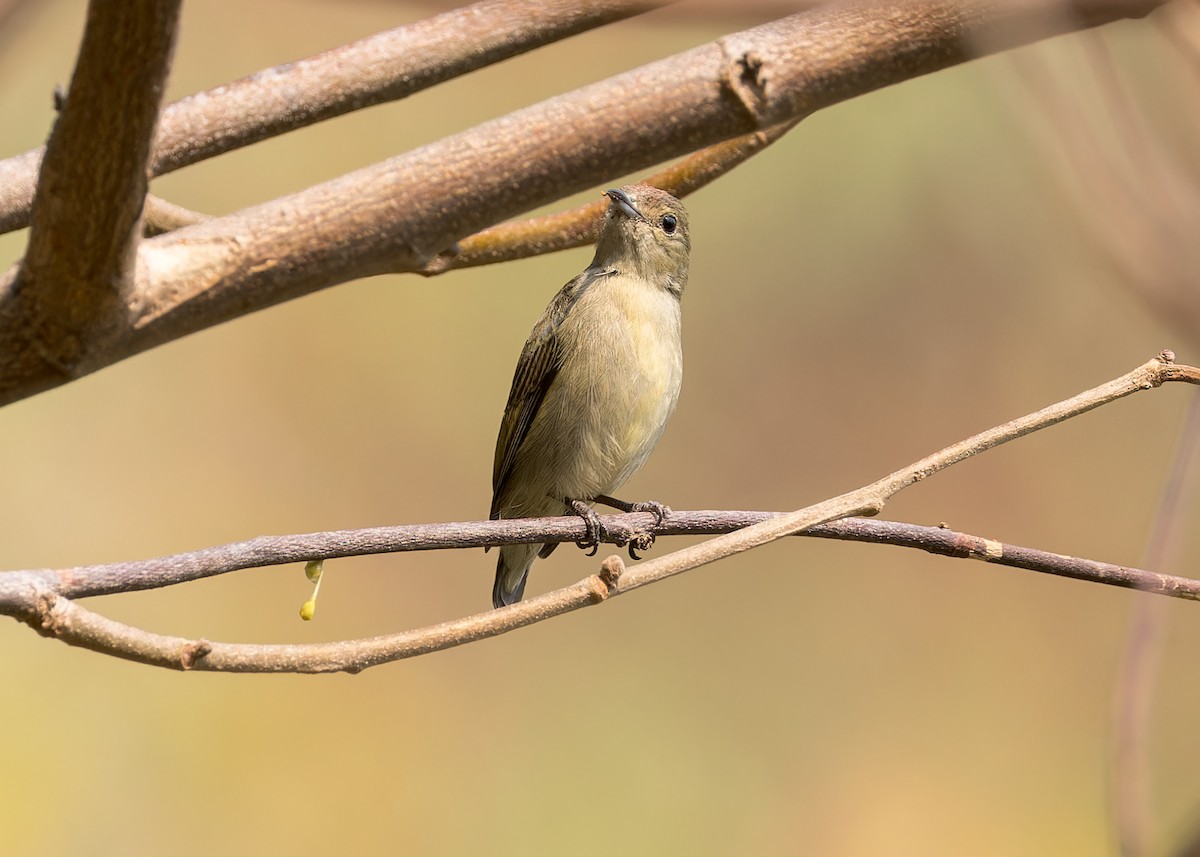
<point x="596" y="381"/>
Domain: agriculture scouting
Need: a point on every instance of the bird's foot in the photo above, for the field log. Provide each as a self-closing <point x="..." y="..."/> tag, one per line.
<point x="641" y="541"/>
<point x="659" y="510"/>
<point x="595" y="530"/>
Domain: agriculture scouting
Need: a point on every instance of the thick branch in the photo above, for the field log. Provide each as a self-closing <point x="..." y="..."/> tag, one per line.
<point x="398" y="215"/>
<point x="40" y="597"/>
<point x="384" y="67"/>
<point x="72" y="290"/>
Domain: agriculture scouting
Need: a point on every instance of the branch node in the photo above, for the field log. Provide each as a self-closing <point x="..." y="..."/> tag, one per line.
<point x="975" y="547"/>
<point x="992" y="549"/>
<point x="45" y="614"/>
<point x="610" y="574"/>
<point x="745" y="79"/>
<point x="193" y="652"/>
<point x="751" y="65"/>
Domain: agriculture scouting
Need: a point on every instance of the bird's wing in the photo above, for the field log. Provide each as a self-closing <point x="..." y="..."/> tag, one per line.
<point x="536" y="370"/>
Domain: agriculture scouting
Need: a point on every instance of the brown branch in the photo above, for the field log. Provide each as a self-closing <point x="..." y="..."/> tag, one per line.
<point x="579" y="227"/>
<point x="871" y="499"/>
<point x="18" y="183"/>
<point x="56" y="615"/>
<point x="43" y="598"/>
<point x="620" y="529"/>
<point x="95" y="167"/>
<point x="71" y="292"/>
<point x="384" y="67"/>
<point x="408" y="209"/>
<point x="387" y="66"/>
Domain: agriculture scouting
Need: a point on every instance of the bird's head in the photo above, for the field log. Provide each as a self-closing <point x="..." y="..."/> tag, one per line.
<point x="645" y="232"/>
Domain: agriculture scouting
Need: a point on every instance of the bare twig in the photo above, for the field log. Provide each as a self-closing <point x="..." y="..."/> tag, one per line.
<point x="407" y="210"/>
<point x="384" y="67"/>
<point x="871" y="499"/>
<point x="116" y="578"/>
<point x="43" y="598"/>
<point x="619" y="529"/>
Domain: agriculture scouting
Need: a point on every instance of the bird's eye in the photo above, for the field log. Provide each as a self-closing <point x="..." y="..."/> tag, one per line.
<point x="669" y="223"/>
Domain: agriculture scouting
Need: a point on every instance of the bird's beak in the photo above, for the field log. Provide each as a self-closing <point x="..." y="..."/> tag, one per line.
<point x="622" y="201"/>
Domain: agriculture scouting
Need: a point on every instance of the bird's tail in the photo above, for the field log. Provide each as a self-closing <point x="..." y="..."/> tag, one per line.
<point x="512" y="569"/>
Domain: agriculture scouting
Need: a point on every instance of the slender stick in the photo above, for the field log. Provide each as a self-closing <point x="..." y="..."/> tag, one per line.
<point x="38" y="597"/>
<point x="638" y="528"/>
<point x="871" y="499"/>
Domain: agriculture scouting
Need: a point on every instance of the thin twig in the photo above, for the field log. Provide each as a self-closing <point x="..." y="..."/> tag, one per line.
<point x="619" y="529"/>
<point x="39" y="597"/>
<point x="871" y="499"/>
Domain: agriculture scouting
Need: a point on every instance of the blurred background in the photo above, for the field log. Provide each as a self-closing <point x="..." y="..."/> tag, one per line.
<point x="897" y="273"/>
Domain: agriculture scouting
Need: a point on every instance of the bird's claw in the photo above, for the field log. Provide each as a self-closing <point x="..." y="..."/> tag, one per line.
<point x="644" y="541"/>
<point x="659" y="510"/>
<point x="640" y="542"/>
<point x="594" y="529"/>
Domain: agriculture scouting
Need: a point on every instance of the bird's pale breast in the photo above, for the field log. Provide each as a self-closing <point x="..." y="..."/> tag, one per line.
<point x="617" y="386"/>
